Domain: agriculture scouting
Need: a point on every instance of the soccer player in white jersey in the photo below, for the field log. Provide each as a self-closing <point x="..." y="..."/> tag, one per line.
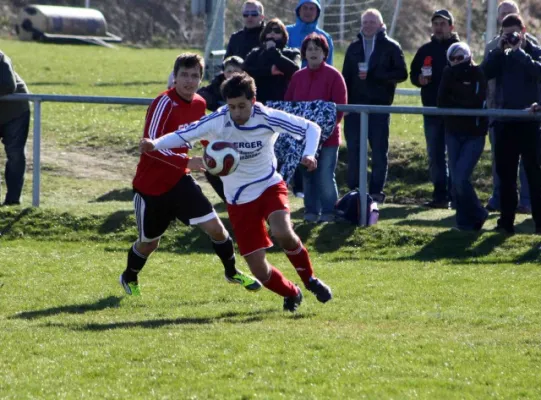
<point x="255" y="192"/>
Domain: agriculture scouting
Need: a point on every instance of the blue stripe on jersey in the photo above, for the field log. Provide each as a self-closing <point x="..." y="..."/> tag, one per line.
<point x="239" y="191"/>
<point x="281" y="123"/>
<point x="252" y="128"/>
<point x="203" y="120"/>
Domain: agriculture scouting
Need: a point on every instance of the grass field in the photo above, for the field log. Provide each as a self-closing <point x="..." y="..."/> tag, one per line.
<point x="420" y="311"/>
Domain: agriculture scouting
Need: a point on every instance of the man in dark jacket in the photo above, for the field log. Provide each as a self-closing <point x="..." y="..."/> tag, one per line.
<point x="373" y="66"/>
<point x="517" y="70"/>
<point x="426" y="72"/>
<point x="463" y="85"/>
<point x="243" y="41"/>
<point x="14" y="123"/>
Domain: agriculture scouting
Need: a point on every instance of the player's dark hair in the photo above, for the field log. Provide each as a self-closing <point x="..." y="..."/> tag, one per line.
<point x="240" y="84"/>
<point x="235" y="61"/>
<point x="189" y="60"/>
<point x="275" y="22"/>
<point x="513" y="20"/>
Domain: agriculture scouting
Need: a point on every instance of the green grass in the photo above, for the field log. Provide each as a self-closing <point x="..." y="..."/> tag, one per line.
<point x="420" y="311"/>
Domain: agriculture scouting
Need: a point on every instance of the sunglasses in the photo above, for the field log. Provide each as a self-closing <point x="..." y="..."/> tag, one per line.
<point x="275" y="29"/>
<point x="247" y="14"/>
<point x="456" y="58"/>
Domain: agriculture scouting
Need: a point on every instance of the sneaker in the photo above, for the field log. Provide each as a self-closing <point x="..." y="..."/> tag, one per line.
<point x="131" y="288"/>
<point x="521" y="209"/>
<point x="311" y="218"/>
<point x="292" y="303"/>
<point x="502" y="229"/>
<point x="323" y="292"/>
<point x="443" y="204"/>
<point x="378" y="197"/>
<point x="246" y="281"/>
<point x="300" y="195"/>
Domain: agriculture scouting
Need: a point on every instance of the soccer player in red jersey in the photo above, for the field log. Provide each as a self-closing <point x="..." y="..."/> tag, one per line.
<point x="163" y="186"/>
<point x="256" y="194"/>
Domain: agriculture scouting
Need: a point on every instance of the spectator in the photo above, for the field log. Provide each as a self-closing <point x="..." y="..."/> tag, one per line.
<point x="243" y="41"/>
<point x="272" y="64"/>
<point x="504" y="9"/>
<point x="425" y="72"/>
<point x="516" y="66"/>
<point x="211" y="93"/>
<point x="319" y="81"/>
<point x="463" y="85"/>
<point x="307" y="14"/>
<point x="373" y="65"/>
<point x="14" y="123"/>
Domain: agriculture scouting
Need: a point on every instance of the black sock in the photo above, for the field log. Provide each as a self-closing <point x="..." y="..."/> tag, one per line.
<point x="226" y="252"/>
<point x="136" y="262"/>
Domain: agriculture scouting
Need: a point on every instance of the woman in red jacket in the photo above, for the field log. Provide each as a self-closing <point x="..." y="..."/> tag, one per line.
<point x="319" y="81"/>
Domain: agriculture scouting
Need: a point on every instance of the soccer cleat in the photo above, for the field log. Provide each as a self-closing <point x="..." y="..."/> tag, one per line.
<point x="323" y="292"/>
<point x="249" y="283"/>
<point x="292" y="303"/>
<point x="131" y="288"/>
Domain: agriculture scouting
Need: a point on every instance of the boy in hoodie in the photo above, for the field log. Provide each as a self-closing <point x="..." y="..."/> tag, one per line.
<point x="426" y="72"/>
<point x="308" y="12"/>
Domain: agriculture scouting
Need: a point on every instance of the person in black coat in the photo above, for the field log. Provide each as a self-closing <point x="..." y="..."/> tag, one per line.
<point x="212" y="93"/>
<point x="425" y="72"/>
<point x="272" y="64"/>
<point x="463" y="85"/>
<point x="516" y="66"/>
<point x="243" y="41"/>
<point x="374" y="64"/>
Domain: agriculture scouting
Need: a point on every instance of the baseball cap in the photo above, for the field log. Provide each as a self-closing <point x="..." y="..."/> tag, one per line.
<point x="443" y="13"/>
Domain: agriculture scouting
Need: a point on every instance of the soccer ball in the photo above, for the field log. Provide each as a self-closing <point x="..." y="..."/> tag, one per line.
<point x="221" y="158"/>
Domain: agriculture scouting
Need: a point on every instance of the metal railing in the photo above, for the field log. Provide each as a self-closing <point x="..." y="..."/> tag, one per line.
<point x="363" y="110"/>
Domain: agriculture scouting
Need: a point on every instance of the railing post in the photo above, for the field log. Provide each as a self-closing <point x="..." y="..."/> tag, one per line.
<point x="37" y="154"/>
<point x="363" y="168"/>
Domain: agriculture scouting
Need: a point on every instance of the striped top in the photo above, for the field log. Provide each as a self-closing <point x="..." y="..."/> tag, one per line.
<point x="159" y="171"/>
<point x="254" y="141"/>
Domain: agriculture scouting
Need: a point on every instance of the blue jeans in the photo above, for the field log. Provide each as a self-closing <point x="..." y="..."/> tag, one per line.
<point x="320" y="191"/>
<point x="437" y="166"/>
<point x="464" y="152"/>
<point x="524" y="194"/>
<point x="14" y="135"/>
<point x="378" y="138"/>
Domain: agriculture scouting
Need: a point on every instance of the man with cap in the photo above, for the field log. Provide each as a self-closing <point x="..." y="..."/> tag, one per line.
<point x="308" y="12"/>
<point x="426" y="72"/>
<point x="243" y="41"/>
<point x="505" y="8"/>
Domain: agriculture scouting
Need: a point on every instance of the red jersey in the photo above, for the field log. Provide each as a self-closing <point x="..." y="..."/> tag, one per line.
<point x="158" y="171"/>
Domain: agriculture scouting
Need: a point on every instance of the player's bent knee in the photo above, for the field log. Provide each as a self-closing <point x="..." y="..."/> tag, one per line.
<point x="147" y="248"/>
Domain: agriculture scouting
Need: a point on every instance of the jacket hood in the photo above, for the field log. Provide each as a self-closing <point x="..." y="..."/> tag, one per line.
<point x="379" y="34"/>
<point x="312" y="25"/>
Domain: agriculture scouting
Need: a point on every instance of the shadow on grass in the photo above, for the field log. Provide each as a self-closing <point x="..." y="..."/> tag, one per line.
<point x="30" y="84"/>
<point x="7" y="228"/>
<point x="399" y="212"/>
<point x="446" y="222"/>
<point x="115" y="195"/>
<point x="228" y="317"/>
<point x="115" y="222"/>
<point x="108" y="302"/>
<point x="456" y="245"/>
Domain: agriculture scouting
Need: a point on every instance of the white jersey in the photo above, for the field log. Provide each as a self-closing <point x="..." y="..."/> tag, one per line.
<point x="255" y="143"/>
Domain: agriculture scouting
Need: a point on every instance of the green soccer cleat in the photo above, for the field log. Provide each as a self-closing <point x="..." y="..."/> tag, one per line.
<point x="131" y="288"/>
<point x="249" y="283"/>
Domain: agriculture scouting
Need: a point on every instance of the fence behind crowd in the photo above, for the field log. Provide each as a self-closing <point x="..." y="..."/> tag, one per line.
<point x="363" y="110"/>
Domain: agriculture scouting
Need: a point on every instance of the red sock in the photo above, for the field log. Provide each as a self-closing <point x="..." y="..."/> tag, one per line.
<point x="280" y="285"/>
<point x="300" y="260"/>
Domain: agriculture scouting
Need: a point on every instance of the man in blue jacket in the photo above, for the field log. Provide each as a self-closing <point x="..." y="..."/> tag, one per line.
<point x="308" y="12"/>
<point x="516" y="66"/>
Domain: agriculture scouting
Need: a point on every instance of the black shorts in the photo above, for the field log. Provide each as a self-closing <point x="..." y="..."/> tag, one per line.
<point x="185" y="202"/>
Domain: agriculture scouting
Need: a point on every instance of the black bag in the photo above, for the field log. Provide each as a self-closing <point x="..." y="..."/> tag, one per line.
<point x="348" y="208"/>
